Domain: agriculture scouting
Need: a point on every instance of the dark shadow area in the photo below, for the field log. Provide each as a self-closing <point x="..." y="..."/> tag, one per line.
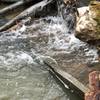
<point x="48" y="10"/>
<point x="83" y="3"/>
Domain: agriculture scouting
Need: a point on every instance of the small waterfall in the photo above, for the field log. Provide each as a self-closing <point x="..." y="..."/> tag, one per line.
<point x="68" y="11"/>
<point x="23" y="75"/>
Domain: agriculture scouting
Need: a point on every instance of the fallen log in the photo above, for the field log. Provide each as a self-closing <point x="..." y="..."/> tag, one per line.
<point x="26" y="13"/>
<point x="13" y="6"/>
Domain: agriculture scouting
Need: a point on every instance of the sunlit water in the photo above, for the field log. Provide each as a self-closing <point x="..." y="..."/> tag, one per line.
<point x="23" y="76"/>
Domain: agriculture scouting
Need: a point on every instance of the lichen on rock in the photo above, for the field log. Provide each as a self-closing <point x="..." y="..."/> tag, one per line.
<point x="95" y="13"/>
<point x="88" y="24"/>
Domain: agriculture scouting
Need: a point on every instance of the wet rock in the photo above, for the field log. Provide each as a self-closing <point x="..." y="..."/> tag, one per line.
<point x="88" y="24"/>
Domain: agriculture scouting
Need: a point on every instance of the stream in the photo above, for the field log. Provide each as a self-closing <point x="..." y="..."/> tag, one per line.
<point x="24" y="76"/>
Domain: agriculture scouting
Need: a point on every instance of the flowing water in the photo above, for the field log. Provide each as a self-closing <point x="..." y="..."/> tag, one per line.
<point x="23" y="75"/>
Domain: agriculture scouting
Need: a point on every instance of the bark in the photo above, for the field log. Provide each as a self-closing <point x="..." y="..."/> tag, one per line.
<point x="26" y="13"/>
<point x="13" y="6"/>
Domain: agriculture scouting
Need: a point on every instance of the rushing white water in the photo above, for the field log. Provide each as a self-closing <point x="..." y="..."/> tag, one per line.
<point x="22" y="73"/>
<point x="57" y="37"/>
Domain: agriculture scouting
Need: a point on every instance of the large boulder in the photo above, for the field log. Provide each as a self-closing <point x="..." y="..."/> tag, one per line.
<point x="88" y="24"/>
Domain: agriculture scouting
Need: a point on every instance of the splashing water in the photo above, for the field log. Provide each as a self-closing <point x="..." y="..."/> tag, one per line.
<point x="22" y="72"/>
<point x="57" y="39"/>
